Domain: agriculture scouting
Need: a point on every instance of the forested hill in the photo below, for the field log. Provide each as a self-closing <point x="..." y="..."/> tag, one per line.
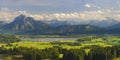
<point x="9" y="39"/>
<point x="28" y="25"/>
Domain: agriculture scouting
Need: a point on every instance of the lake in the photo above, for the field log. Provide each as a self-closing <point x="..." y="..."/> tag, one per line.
<point x="47" y="39"/>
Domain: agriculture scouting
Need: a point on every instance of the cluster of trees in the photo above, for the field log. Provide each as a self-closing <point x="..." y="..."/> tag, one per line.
<point x="8" y="39"/>
<point x="66" y="43"/>
<point x="32" y="53"/>
<point x="97" y="53"/>
<point x="86" y="38"/>
<point x="36" y="54"/>
<point x="74" y="54"/>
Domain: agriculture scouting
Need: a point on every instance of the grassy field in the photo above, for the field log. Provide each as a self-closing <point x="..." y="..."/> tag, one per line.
<point x="86" y="43"/>
<point x="43" y="45"/>
<point x="68" y="44"/>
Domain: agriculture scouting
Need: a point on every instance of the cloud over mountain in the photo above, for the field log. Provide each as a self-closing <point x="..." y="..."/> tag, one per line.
<point x="8" y="15"/>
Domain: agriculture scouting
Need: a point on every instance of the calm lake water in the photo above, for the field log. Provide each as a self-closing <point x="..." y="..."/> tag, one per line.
<point x="48" y="39"/>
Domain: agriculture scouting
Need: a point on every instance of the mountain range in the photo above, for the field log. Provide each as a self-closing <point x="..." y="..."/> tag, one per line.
<point x="28" y="25"/>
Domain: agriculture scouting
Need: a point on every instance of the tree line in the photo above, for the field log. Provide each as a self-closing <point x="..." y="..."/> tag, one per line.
<point x="9" y="39"/>
<point x="97" y="53"/>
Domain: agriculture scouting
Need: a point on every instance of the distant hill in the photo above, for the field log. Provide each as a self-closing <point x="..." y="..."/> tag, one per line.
<point x="28" y="25"/>
<point x="101" y="23"/>
<point x="25" y="23"/>
<point x="68" y="29"/>
<point x="57" y="23"/>
<point x="77" y="28"/>
<point x="104" y="23"/>
<point x="116" y="26"/>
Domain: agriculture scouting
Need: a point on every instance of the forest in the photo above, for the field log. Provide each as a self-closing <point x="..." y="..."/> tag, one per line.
<point x="97" y="53"/>
<point x="88" y="47"/>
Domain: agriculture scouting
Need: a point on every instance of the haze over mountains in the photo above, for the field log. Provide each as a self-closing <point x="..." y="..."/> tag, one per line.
<point x="28" y="25"/>
<point x="60" y="16"/>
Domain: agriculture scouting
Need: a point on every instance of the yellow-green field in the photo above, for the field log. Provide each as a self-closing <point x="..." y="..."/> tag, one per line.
<point x="87" y="42"/>
<point x="43" y="45"/>
<point x="110" y="40"/>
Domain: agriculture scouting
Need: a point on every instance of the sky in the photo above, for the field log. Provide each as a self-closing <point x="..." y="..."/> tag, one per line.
<point x="60" y="9"/>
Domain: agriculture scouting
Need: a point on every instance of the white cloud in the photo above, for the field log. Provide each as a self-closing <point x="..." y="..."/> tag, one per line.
<point x="9" y="15"/>
<point x="88" y="5"/>
<point x="94" y="6"/>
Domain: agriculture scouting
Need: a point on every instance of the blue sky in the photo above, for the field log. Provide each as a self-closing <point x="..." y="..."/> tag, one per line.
<point x="80" y="10"/>
<point x="42" y="6"/>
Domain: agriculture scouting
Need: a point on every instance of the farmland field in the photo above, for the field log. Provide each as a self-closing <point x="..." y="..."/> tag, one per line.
<point x="67" y="42"/>
<point x="79" y="42"/>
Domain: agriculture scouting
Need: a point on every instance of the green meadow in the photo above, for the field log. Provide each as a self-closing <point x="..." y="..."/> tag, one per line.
<point x="81" y="42"/>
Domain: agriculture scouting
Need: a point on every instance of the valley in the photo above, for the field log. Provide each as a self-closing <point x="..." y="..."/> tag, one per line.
<point x="59" y="29"/>
<point x="28" y="39"/>
<point x="85" y="42"/>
